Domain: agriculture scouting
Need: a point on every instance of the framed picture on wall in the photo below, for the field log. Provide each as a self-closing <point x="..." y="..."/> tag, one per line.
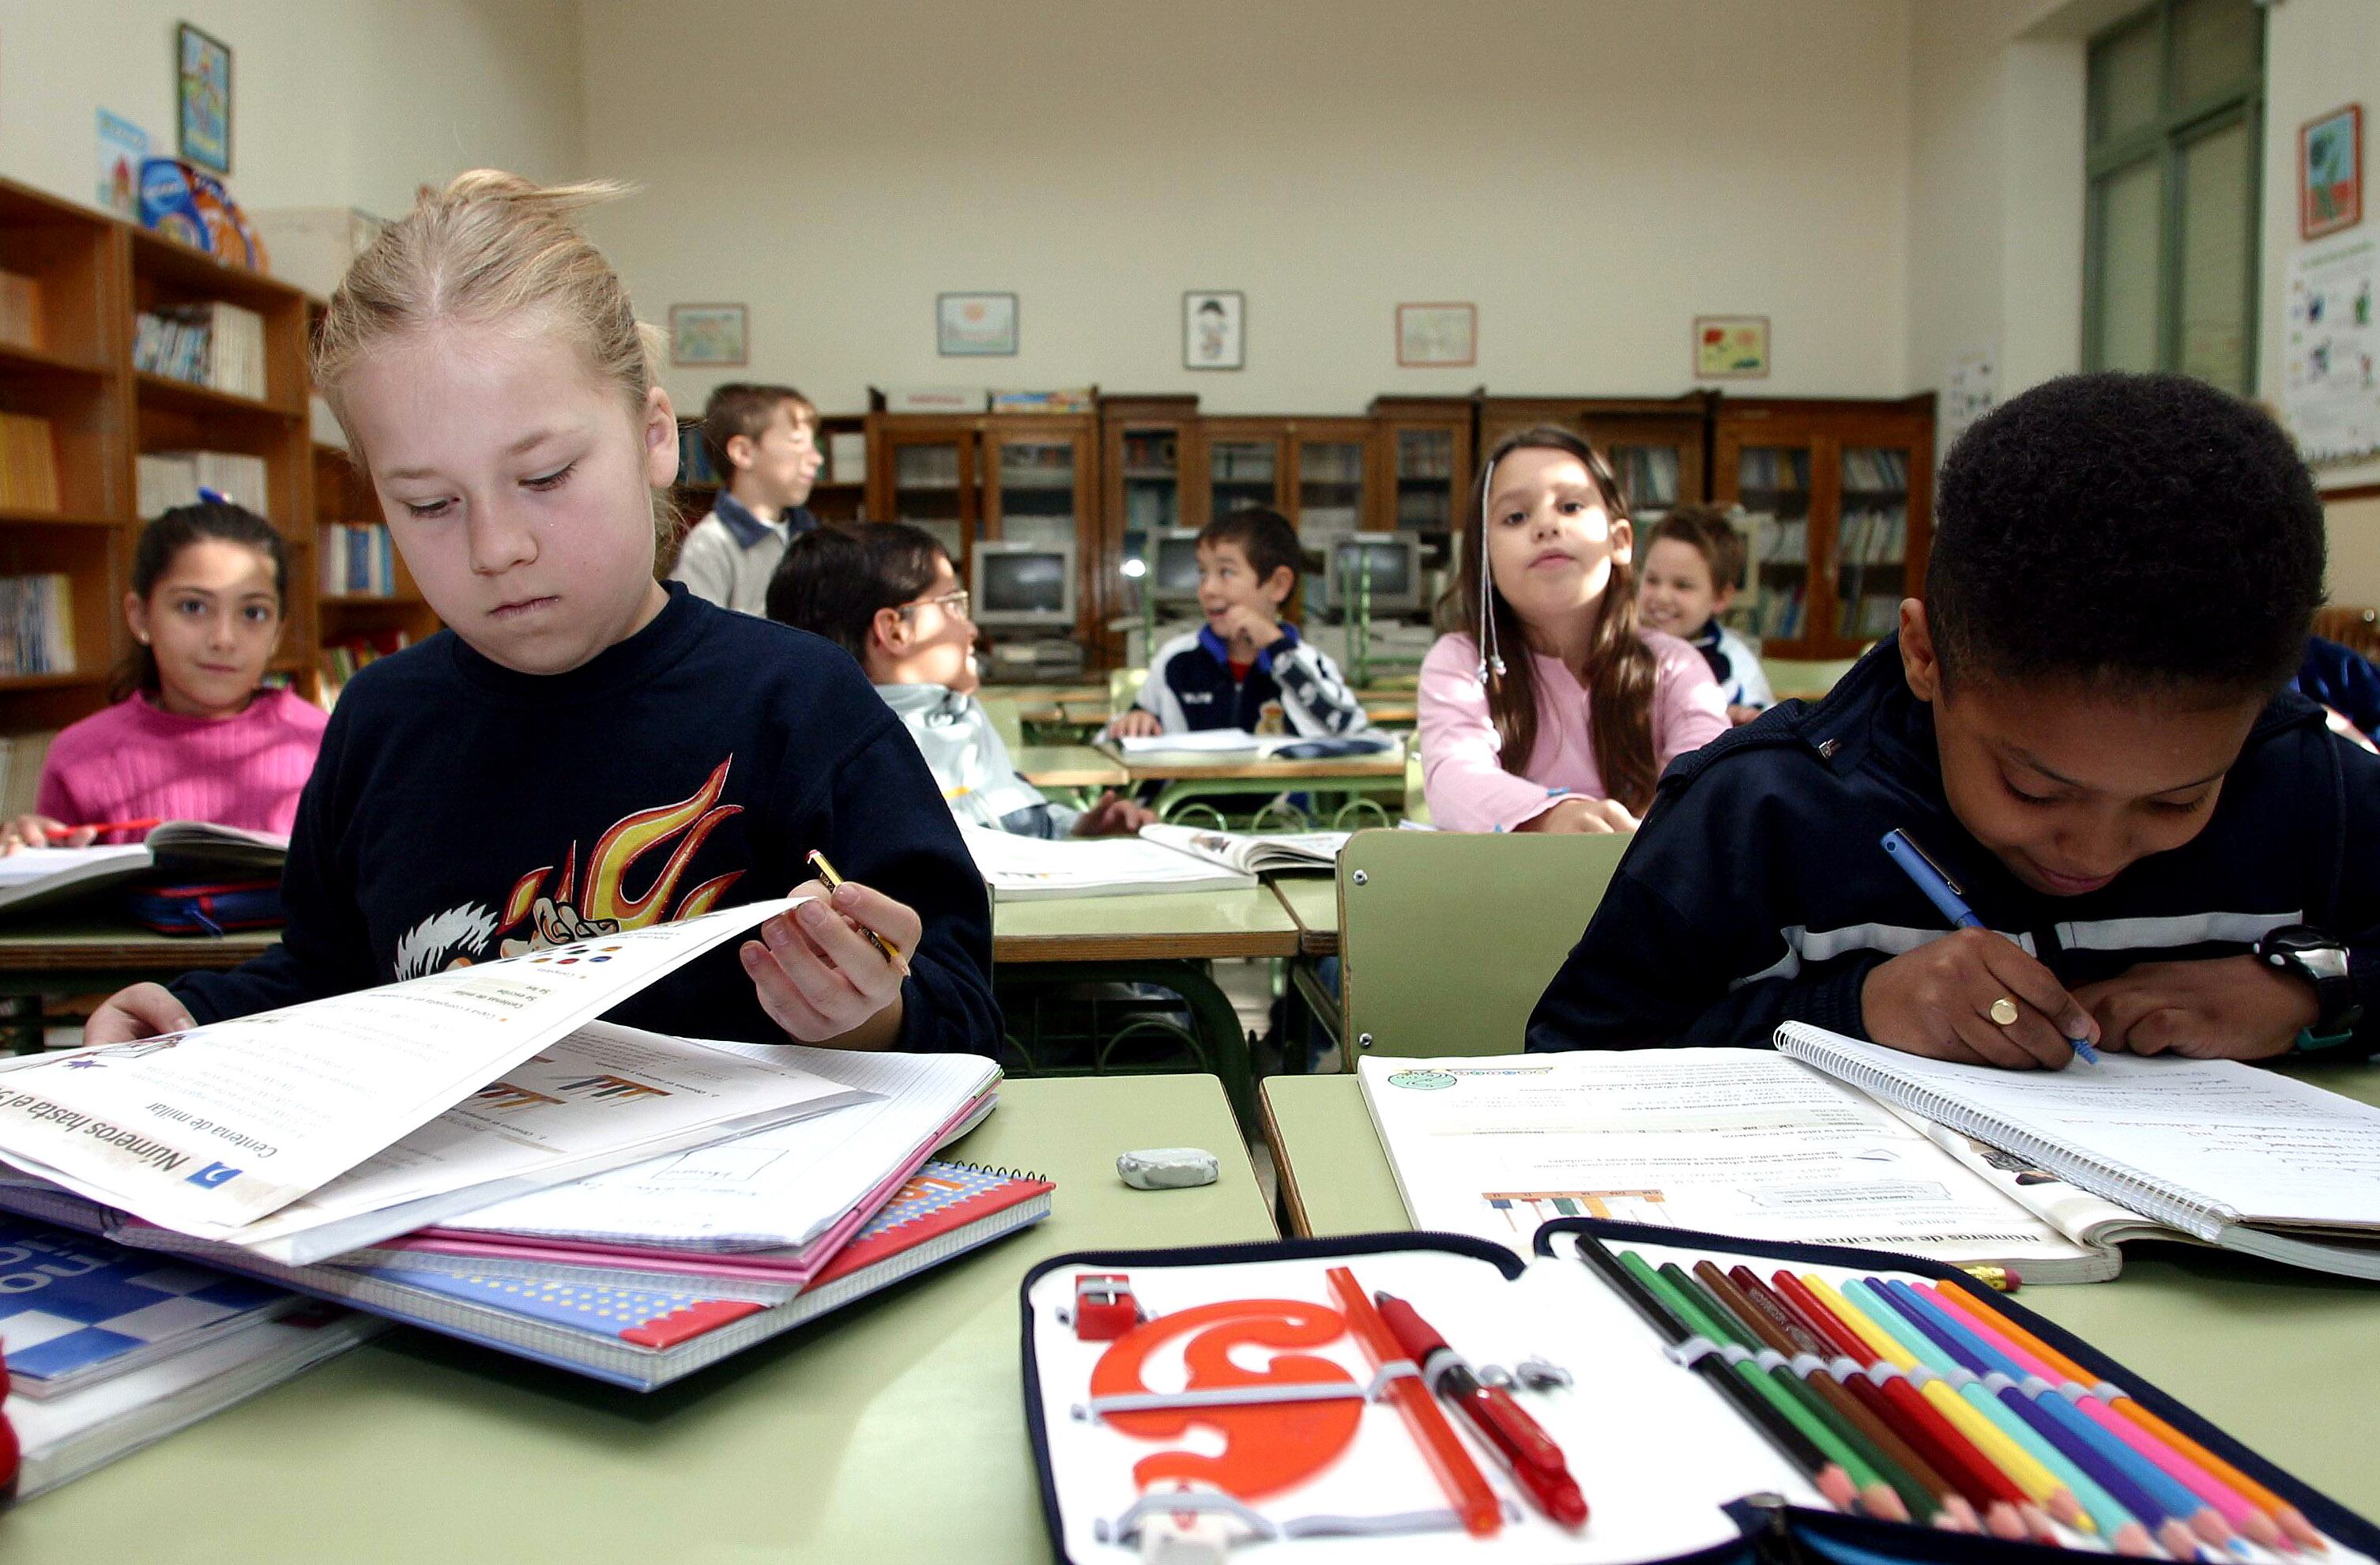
<point x="1436" y="335"/>
<point x="1730" y="347"/>
<point x="203" y="67"/>
<point x="2330" y="171"/>
<point x="1213" y="330"/>
<point x="709" y="334"/>
<point x="975" y="325"/>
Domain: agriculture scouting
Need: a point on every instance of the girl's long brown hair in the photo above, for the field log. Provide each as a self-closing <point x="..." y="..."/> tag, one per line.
<point x="1620" y="668"/>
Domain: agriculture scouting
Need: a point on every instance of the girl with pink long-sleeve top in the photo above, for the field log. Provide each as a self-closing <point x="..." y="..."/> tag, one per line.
<point x="1555" y="711"/>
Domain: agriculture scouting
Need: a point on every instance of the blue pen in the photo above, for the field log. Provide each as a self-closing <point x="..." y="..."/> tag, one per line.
<point x="1943" y="893"/>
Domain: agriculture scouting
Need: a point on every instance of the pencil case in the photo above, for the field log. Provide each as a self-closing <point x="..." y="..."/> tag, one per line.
<point x="1225" y="1380"/>
<point x="215" y="909"/>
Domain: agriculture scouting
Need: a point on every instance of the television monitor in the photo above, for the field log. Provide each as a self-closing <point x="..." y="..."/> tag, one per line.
<point x="1173" y="573"/>
<point x="1023" y="586"/>
<point x="1391" y="562"/>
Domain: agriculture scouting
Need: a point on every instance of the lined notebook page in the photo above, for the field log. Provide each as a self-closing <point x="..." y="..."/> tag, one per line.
<point x="2271" y="1148"/>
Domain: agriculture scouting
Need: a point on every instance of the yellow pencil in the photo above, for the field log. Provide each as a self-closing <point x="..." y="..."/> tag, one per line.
<point x="828" y="878"/>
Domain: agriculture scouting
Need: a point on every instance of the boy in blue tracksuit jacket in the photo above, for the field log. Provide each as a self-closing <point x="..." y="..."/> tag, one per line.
<point x="2085" y="724"/>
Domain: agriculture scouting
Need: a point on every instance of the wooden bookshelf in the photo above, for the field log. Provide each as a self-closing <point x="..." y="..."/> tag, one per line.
<point x="1658" y="447"/>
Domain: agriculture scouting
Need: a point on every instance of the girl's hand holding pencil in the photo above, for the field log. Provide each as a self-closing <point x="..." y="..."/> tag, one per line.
<point x="831" y="972"/>
<point x="40" y="831"/>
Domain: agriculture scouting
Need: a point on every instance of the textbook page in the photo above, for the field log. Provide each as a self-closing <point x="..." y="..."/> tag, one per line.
<point x="1253" y="852"/>
<point x="777" y="1188"/>
<point x="207" y="1130"/>
<point x="1021" y="869"/>
<point x="31" y="876"/>
<point x="1738" y="1142"/>
<point x="2254" y="1145"/>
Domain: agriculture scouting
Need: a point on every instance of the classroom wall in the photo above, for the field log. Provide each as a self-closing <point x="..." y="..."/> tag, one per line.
<point x="335" y="103"/>
<point x="1591" y="173"/>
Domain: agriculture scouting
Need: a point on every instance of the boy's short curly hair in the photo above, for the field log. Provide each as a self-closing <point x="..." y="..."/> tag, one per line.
<point x="2126" y="530"/>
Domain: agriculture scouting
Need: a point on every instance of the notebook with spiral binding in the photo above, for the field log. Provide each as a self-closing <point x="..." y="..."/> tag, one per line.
<point x="2224" y="1153"/>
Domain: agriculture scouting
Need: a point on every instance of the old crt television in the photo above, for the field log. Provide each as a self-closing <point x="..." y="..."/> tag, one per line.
<point x="1390" y="561"/>
<point x="1023" y="586"/>
<point x="1173" y="567"/>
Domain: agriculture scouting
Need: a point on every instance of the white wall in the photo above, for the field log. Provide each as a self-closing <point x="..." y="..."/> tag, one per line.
<point x="335" y="103"/>
<point x="1591" y="172"/>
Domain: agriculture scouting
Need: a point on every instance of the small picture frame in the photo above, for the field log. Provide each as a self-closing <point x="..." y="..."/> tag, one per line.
<point x="713" y="335"/>
<point x="1438" y="337"/>
<point x="1730" y="347"/>
<point x="1214" y="329"/>
<point x="202" y="69"/>
<point x="975" y="325"/>
<point x="2330" y="171"/>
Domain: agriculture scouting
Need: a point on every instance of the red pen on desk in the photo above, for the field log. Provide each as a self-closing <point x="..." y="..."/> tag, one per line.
<point x="1535" y="1461"/>
<point x="104" y="827"/>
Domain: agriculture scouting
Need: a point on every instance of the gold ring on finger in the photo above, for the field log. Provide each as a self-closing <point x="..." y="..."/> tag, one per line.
<point x="2003" y="1011"/>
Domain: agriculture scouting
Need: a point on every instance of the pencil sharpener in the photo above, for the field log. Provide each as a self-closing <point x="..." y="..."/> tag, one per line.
<point x="1104" y="1307"/>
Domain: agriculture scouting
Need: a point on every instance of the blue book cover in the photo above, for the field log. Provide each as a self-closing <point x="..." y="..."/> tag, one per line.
<point x="74" y="1308"/>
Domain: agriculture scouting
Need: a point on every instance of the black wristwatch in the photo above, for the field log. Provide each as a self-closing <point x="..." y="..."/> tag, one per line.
<point x="2320" y="961"/>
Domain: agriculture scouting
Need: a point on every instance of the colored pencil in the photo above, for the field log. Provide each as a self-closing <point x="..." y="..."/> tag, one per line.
<point x="2290" y="1520"/>
<point x="1920" y="1488"/>
<point x="2234" y="1507"/>
<point x="2170" y="1496"/>
<point x="1995" y="1500"/>
<point x="1474" y="1501"/>
<point x="1738" y="1390"/>
<point x="2112" y="1478"/>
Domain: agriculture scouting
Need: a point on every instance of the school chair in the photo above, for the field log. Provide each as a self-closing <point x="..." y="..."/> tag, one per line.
<point x="1446" y="939"/>
<point x="1805" y="678"/>
<point x="1007" y="719"/>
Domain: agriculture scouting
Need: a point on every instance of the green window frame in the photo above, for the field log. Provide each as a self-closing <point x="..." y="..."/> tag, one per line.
<point x="2158" y="142"/>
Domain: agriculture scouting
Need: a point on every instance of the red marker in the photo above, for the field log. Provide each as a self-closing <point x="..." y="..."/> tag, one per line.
<point x="1535" y="1461"/>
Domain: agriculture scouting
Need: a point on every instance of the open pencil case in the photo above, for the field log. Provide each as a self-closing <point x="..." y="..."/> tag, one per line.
<point x="216" y="908"/>
<point x="1122" y="1428"/>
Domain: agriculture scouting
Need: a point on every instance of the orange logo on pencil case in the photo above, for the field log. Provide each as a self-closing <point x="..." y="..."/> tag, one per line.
<point x="1267" y="1445"/>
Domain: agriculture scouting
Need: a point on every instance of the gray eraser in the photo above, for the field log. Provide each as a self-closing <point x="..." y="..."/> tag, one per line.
<point x="1168" y="1167"/>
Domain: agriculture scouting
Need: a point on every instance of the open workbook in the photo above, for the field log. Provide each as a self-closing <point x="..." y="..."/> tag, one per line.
<point x="1162" y="858"/>
<point x="2212" y="1150"/>
<point x="299" y="1133"/>
<point x="34" y="876"/>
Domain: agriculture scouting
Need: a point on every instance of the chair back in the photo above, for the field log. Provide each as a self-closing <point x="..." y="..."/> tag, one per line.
<point x="1447" y="938"/>
<point x="1807" y="678"/>
<point x="1007" y="719"/>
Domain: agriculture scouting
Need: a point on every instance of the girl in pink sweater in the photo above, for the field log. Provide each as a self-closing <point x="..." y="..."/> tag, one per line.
<point x="191" y="737"/>
<point x="1556" y="712"/>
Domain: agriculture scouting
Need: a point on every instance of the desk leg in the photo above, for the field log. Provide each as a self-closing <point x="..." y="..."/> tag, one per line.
<point x="1315" y="999"/>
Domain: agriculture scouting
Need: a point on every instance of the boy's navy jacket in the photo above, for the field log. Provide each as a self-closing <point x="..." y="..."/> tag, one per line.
<point x="461" y="812"/>
<point x="2343" y="680"/>
<point x="1190" y="687"/>
<point x="1758" y="890"/>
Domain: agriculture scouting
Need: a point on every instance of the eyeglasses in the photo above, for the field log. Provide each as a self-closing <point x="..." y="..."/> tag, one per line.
<point x="948" y="603"/>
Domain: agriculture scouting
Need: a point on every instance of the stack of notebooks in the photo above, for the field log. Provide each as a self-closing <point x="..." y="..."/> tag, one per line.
<point x="1834" y="1141"/>
<point x="1162" y="858"/>
<point x="474" y="1153"/>
<point x="167" y="479"/>
<point x="218" y="346"/>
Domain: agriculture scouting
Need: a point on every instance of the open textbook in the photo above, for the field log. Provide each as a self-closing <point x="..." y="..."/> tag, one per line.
<point x="1253" y="852"/>
<point x="2212" y="1150"/>
<point x="1161" y="858"/>
<point x="31" y="877"/>
<point x="302" y="1133"/>
<point x="1722" y="1141"/>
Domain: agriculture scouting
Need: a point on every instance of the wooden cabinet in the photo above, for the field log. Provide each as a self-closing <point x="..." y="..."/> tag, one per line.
<point x="1838" y="506"/>
<point x="1656" y="446"/>
<point x="1423" y="455"/>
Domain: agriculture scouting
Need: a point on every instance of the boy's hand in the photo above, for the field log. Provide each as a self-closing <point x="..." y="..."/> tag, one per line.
<point x="40" y="831"/>
<point x="1937" y="1000"/>
<point x="820" y="979"/>
<point x="1112" y="817"/>
<point x="144" y="1010"/>
<point x="1246" y="625"/>
<point x="2230" y="1007"/>
<point x="1595" y="816"/>
<point x="1138" y="723"/>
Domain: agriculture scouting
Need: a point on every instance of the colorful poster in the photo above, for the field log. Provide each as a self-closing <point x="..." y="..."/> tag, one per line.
<point x="1970" y="386"/>
<point x="2330" y="398"/>
<point x="122" y="145"/>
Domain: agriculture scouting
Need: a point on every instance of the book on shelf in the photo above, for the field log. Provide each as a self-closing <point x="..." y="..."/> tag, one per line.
<point x="1876" y="469"/>
<point x="21" y="324"/>
<point x="339" y="660"/>
<point x="1073" y="399"/>
<point x="216" y="345"/>
<point x="167" y="479"/>
<point x="1773" y="469"/>
<point x="29" y="462"/>
<point x="355" y="559"/>
<point x="36" y="624"/>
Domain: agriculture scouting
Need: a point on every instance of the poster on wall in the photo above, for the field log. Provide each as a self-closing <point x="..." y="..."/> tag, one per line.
<point x="203" y="67"/>
<point x="1970" y="386"/>
<point x="2330" y="398"/>
<point x="2330" y="171"/>
<point x="969" y="326"/>
<point x="1212" y="329"/>
<point x="122" y="145"/>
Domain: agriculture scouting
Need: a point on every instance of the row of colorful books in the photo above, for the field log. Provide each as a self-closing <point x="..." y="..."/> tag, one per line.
<point x="36" y="624"/>
<point x="167" y="479"/>
<point x="29" y="463"/>
<point x="356" y="559"/>
<point x="218" y="346"/>
<point x="339" y="660"/>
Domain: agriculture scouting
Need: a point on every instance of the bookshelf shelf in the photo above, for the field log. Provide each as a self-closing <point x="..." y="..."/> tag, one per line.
<point x="16" y="358"/>
<point x="52" y="682"/>
<point x="164" y="391"/>
<point x="18" y="516"/>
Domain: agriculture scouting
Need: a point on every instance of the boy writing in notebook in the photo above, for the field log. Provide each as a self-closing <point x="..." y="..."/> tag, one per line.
<point x="2085" y="724"/>
<point x="1222" y="675"/>
<point x="763" y="441"/>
